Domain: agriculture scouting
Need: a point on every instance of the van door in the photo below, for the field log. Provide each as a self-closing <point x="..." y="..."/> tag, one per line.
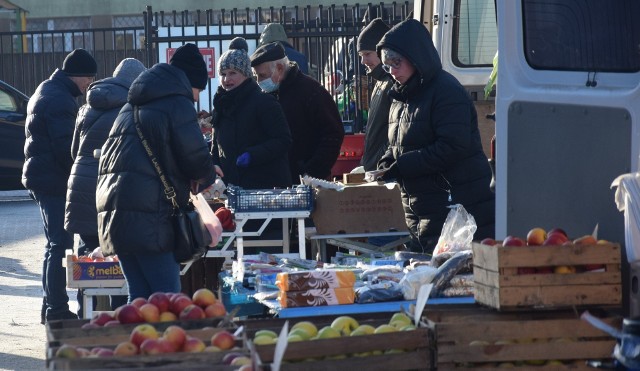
<point x="567" y="113"/>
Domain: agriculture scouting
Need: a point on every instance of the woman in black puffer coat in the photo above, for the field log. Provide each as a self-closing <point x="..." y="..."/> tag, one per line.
<point x="134" y="216"/>
<point x="435" y="152"/>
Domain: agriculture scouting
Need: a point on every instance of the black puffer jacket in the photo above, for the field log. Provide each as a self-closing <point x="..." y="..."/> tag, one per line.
<point x="315" y="123"/>
<point x="134" y="216"/>
<point x="376" y="139"/>
<point x="434" y="138"/>
<point x="247" y="120"/>
<point x="105" y="98"/>
<point x="51" y="115"/>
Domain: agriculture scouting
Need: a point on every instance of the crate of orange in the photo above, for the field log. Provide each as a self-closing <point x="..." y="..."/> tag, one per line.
<point x="95" y="273"/>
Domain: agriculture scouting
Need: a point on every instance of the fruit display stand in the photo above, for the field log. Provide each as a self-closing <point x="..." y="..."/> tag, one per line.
<point x="481" y="337"/>
<point x="397" y="350"/>
<point x="503" y="278"/>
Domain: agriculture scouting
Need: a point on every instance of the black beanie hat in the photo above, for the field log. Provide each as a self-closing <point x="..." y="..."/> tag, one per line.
<point x="372" y="34"/>
<point x="239" y="43"/>
<point x="188" y="59"/>
<point x="79" y="63"/>
<point x="267" y="53"/>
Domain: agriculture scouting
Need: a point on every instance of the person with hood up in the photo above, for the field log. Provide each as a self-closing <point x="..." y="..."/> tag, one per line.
<point x="51" y="114"/>
<point x="434" y="152"/>
<point x="105" y="98"/>
<point x="251" y="138"/>
<point x="375" y="140"/>
<point x="135" y="218"/>
<point x="275" y="32"/>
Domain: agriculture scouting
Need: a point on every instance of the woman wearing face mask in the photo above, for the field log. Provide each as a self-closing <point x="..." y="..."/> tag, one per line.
<point x="251" y="137"/>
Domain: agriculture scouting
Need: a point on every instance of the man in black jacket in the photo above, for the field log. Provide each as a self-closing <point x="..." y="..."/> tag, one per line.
<point x="375" y="140"/>
<point x="51" y="116"/>
<point x="316" y="127"/>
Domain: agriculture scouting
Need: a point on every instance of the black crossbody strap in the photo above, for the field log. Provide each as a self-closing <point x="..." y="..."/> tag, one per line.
<point x="169" y="191"/>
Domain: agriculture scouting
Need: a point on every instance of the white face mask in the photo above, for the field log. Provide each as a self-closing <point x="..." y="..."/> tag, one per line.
<point x="268" y="86"/>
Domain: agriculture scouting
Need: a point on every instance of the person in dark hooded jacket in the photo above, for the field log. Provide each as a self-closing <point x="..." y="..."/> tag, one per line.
<point x="134" y="216"/>
<point x="275" y="32"/>
<point x="435" y="152"/>
<point x="51" y="114"/>
<point x="105" y="98"/>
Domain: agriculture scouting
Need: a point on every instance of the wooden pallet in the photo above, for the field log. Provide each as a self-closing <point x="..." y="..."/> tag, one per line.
<point x="499" y="285"/>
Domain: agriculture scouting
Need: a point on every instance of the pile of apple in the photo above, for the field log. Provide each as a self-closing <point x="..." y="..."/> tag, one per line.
<point x="340" y="327"/>
<point x="99" y="259"/>
<point x="144" y="339"/>
<point x="554" y="237"/>
<point x="162" y="307"/>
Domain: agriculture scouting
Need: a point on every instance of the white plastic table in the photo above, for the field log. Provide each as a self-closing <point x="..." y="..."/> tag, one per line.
<point x="347" y="241"/>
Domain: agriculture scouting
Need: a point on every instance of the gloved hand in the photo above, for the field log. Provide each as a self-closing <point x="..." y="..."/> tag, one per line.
<point x="243" y="160"/>
<point x="392" y="173"/>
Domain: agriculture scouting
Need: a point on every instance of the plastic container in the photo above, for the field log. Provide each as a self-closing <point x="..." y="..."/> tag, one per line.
<point x="299" y="198"/>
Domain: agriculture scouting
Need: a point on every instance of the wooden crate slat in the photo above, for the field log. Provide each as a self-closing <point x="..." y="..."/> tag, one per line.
<point x="559" y="296"/>
<point x="417" y="360"/>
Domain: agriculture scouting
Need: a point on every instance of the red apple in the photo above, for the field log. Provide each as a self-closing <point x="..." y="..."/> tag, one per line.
<point x="89" y="325"/>
<point x="526" y="270"/>
<point x="138" y="302"/>
<point x="175" y="334"/>
<point x="215" y="310"/>
<point x="114" y="322"/>
<point x="203" y="297"/>
<point x="555" y="238"/>
<point x="558" y="230"/>
<point x="513" y="241"/>
<point x="129" y="313"/>
<point x="150" y="312"/>
<point x="488" y="241"/>
<point x="168" y="317"/>
<point x="229" y="357"/>
<point x="167" y="346"/>
<point x="67" y="351"/>
<point x="192" y="312"/>
<point x="104" y="352"/>
<point x="125" y="348"/>
<point x="151" y="346"/>
<point x="160" y="300"/>
<point x="536" y="237"/>
<point x="193" y="345"/>
<point x="223" y="340"/>
<point x="143" y="332"/>
<point x="178" y="303"/>
<point x="101" y="318"/>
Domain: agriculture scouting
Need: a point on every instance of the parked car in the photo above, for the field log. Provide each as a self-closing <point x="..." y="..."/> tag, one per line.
<point x="13" y="111"/>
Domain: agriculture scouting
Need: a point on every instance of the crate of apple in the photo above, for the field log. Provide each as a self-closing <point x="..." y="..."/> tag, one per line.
<point x="547" y="269"/>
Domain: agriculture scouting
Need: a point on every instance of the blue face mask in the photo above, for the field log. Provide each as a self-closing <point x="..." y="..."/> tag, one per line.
<point x="268" y="86"/>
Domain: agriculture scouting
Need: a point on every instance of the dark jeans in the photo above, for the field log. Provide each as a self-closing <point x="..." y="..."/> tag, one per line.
<point x="54" y="280"/>
<point x="86" y="245"/>
<point x="149" y="273"/>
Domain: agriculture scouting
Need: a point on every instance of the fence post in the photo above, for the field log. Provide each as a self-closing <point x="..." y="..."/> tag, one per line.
<point x="148" y="30"/>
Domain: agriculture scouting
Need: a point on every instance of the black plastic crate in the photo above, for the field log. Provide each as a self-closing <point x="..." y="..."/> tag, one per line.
<point x="299" y="198"/>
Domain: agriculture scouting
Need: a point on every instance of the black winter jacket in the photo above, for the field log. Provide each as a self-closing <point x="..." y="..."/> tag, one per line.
<point x="315" y="123"/>
<point x="376" y="139"/>
<point x="134" y="216"/>
<point x="247" y="120"/>
<point x="434" y="140"/>
<point x="51" y="114"/>
<point x="105" y="98"/>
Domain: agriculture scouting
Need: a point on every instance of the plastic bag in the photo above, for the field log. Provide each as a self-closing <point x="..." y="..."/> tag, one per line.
<point x="209" y="219"/>
<point x="413" y="280"/>
<point x="457" y="231"/>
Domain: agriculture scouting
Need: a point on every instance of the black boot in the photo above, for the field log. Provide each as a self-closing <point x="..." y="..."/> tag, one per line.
<point x="43" y="311"/>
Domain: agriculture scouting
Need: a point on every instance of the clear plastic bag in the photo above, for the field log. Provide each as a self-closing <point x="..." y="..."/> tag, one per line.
<point x="209" y="219"/>
<point x="457" y="231"/>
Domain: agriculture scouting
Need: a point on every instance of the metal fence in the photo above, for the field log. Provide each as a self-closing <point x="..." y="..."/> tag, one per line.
<point x="321" y="33"/>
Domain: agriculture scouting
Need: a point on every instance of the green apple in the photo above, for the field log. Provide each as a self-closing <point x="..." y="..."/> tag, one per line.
<point x="309" y="327"/>
<point x="400" y="318"/>
<point x="363" y="330"/>
<point x="300" y="332"/>
<point x="345" y="324"/>
<point x="264" y="340"/>
<point x="294" y="338"/>
<point x="269" y="333"/>
<point x="384" y="329"/>
<point x="328" y="332"/>
<point x="408" y="328"/>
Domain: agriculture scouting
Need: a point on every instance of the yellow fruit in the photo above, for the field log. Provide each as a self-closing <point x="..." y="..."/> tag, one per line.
<point x="400" y="317"/>
<point x="384" y="329"/>
<point x="264" y="340"/>
<point x="408" y="328"/>
<point x="564" y="269"/>
<point x="328" y="332"/>
<point x="345" y="324"/>
<point x="269" y="333"/>
<point x="309" y="327"/>
<point x="363" y="330"/>
<point x="294" y="338"/>
<point x="300" y="332"/>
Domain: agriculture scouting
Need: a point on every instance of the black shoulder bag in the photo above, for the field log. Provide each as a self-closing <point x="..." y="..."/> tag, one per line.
<point x="191" y="235"/>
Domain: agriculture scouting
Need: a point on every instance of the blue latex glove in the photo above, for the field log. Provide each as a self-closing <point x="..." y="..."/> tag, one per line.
<point x="243" y="160"/>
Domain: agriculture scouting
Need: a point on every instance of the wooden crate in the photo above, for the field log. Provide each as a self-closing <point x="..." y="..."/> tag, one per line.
<point x="337" y="353"/>
<point x="499" y="285"/>
<point x="169" y="361"/>
<point x="545" y="339"/>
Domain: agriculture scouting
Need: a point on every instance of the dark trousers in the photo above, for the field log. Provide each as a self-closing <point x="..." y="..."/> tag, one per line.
<point x="54" y="280"/>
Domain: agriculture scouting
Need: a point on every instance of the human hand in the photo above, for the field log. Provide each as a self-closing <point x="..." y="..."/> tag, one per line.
<point x="391" y="173"/>
<point x="243" y="160"/>
<point x="219" y="171"/>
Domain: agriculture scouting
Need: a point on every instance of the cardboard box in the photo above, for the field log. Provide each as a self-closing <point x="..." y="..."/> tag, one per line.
<point x="367" y="208"/>
<point x="93" y="274"/>
<point x="353" y="178"/>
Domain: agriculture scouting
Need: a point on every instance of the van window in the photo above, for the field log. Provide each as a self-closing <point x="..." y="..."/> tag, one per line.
<point x="586" y="35"/>
<point x="475" y="33"/>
